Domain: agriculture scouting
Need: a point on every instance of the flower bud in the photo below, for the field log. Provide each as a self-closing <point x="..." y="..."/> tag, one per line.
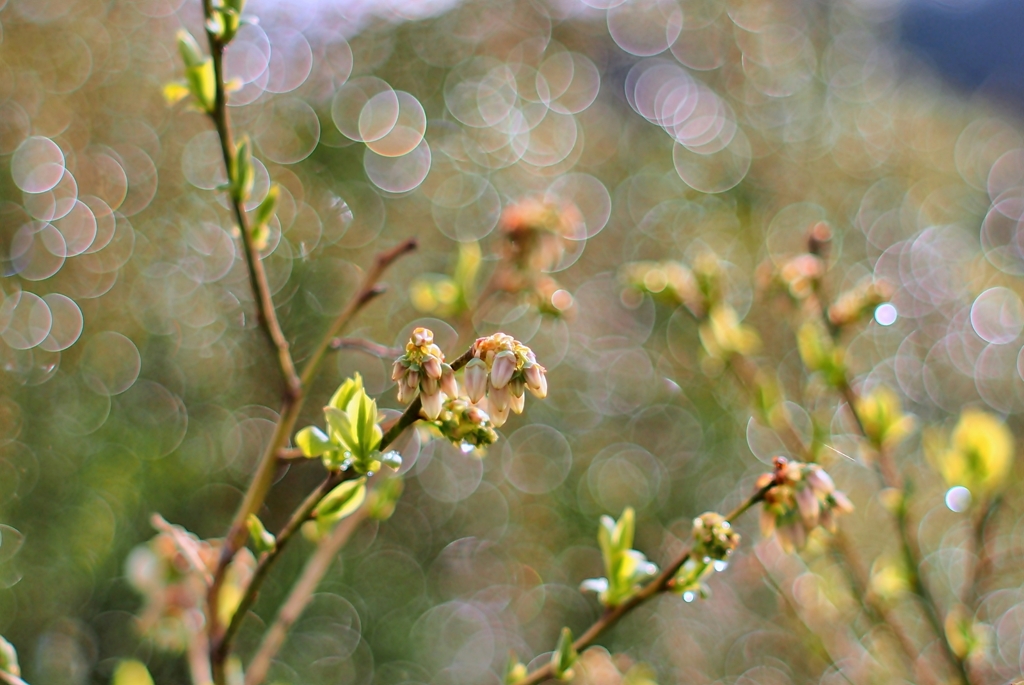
<point x="516" y="404"/>
<point x="448" y="384"/>
<point x="503" y="368"/>
<point x="476" y="379"/>
<point x="499" y="416"/>
<point x="431" y="404"/>
<point x="432" y="367"/>
<point x="398" y="370"/>
<point x="807" y="503"/>
<point x="820" y="481"/>
<point x="536" y="379"/>
<point x="499" y="398"/>
<point x="422" y="337"/>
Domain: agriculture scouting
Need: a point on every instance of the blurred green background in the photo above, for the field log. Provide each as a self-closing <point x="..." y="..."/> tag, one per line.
<point x="135" y="380"/>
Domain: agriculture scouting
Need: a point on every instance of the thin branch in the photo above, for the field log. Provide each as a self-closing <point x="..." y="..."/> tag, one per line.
<point x="292" y="406"/>
<point x="368" y="346"/>
<point x="300" y="594"/>
<point x="257" y="274"/>
<point x="890" y="477"/>
<point x="660" y="584"/>
<point x="982" y="560"/>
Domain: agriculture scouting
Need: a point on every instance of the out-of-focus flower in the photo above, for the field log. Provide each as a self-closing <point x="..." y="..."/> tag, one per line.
<point x="168" y="571"/>
<point x="596" y="666"/>
<point x="722" y="335"/>
<point x="859" y="302"/>
<point x="669" y="280"/>
<point x="979" y="454"/>
<point x="804" y="497"/>
<point x="465" y="424"/>
<point x="820" y="354"/>
<point x="422" y="371"/>
<point x="534" y="231"/>
<point x="800" y="273"/>
<point x="503" y="369"/>
<point x="882" y="416"/>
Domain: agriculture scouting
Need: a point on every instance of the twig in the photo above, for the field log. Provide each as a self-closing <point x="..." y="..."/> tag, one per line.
<point x="660" y="584"/>
<point x="257" y="274"/>
<point x="300" y="594"/>
<point x="369" y="347"/>
<point x="982" y="561"/>
<point x="807" y="629"/>
<point x="890" y="477"/>
<point x="291" y="407"/>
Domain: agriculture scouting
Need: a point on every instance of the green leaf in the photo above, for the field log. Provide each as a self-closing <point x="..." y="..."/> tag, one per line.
<point x="244" y="174"/>
<point x="515" y="670"/>
<point x="382" y="499"/>
<point x="624" y="529"/>
<point x="262" y="539"/>
<point x="131" y="672"/>
<point x="345" y="392"/>
<point x="191" y="54"/>
<point x="9" y="658"/>
<point x="175" y="92"/>
<point x="342" y="500"/>
<point x="202" y="84"/>
<point x="564" y="656"/>
<point x="265" y="210"/>
<point x="341" y="427"/>
<point x="312" y="441"/>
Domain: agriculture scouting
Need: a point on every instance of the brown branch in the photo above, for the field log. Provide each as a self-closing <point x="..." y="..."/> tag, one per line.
<point x="982" y="560"/>
<point x="300" y="594"/>
<point x="291" y="407"/>
<point x="266" y="312"/>
<point x="660" y="584"/>
<point x="369" y="347"/>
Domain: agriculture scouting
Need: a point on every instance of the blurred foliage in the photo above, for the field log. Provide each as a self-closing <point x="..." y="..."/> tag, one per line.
<point x="709" y="135"/>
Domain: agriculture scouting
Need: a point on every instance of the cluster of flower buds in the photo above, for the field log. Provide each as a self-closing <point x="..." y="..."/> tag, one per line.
<point x="422" y="371"/>
<point x="713" y="537"/>
<point x="803" y="498"/>
<point x="465" y="425"/>
<point x="800" y="274"/>
<point x="503" y="369"/>
<point x="534" y="231"/>
<point x="859" y="302"/>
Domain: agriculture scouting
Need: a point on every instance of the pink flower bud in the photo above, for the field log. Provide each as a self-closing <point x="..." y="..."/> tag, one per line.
<point x="498" y="398"/>
<point x="536" y="379"/>
<point x="498" y="417"/>
<point x="842" y="503"/>
<point x="412" y="379"/>
<point x="502" y="369"/>
<point x="448" y="385"/>
<point x="422" y="336"/>
<point x="809" y="507"/>
<point x="431" y="404"/>
<point x="516" y="403"/>
<point x="432" y="367"/>
<point x="517" y="386"/>
<point x="398" y="370"/>
<point x="820" y="481"/>
<point x="475" y="379"/>
<point x="429" y="385"/>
